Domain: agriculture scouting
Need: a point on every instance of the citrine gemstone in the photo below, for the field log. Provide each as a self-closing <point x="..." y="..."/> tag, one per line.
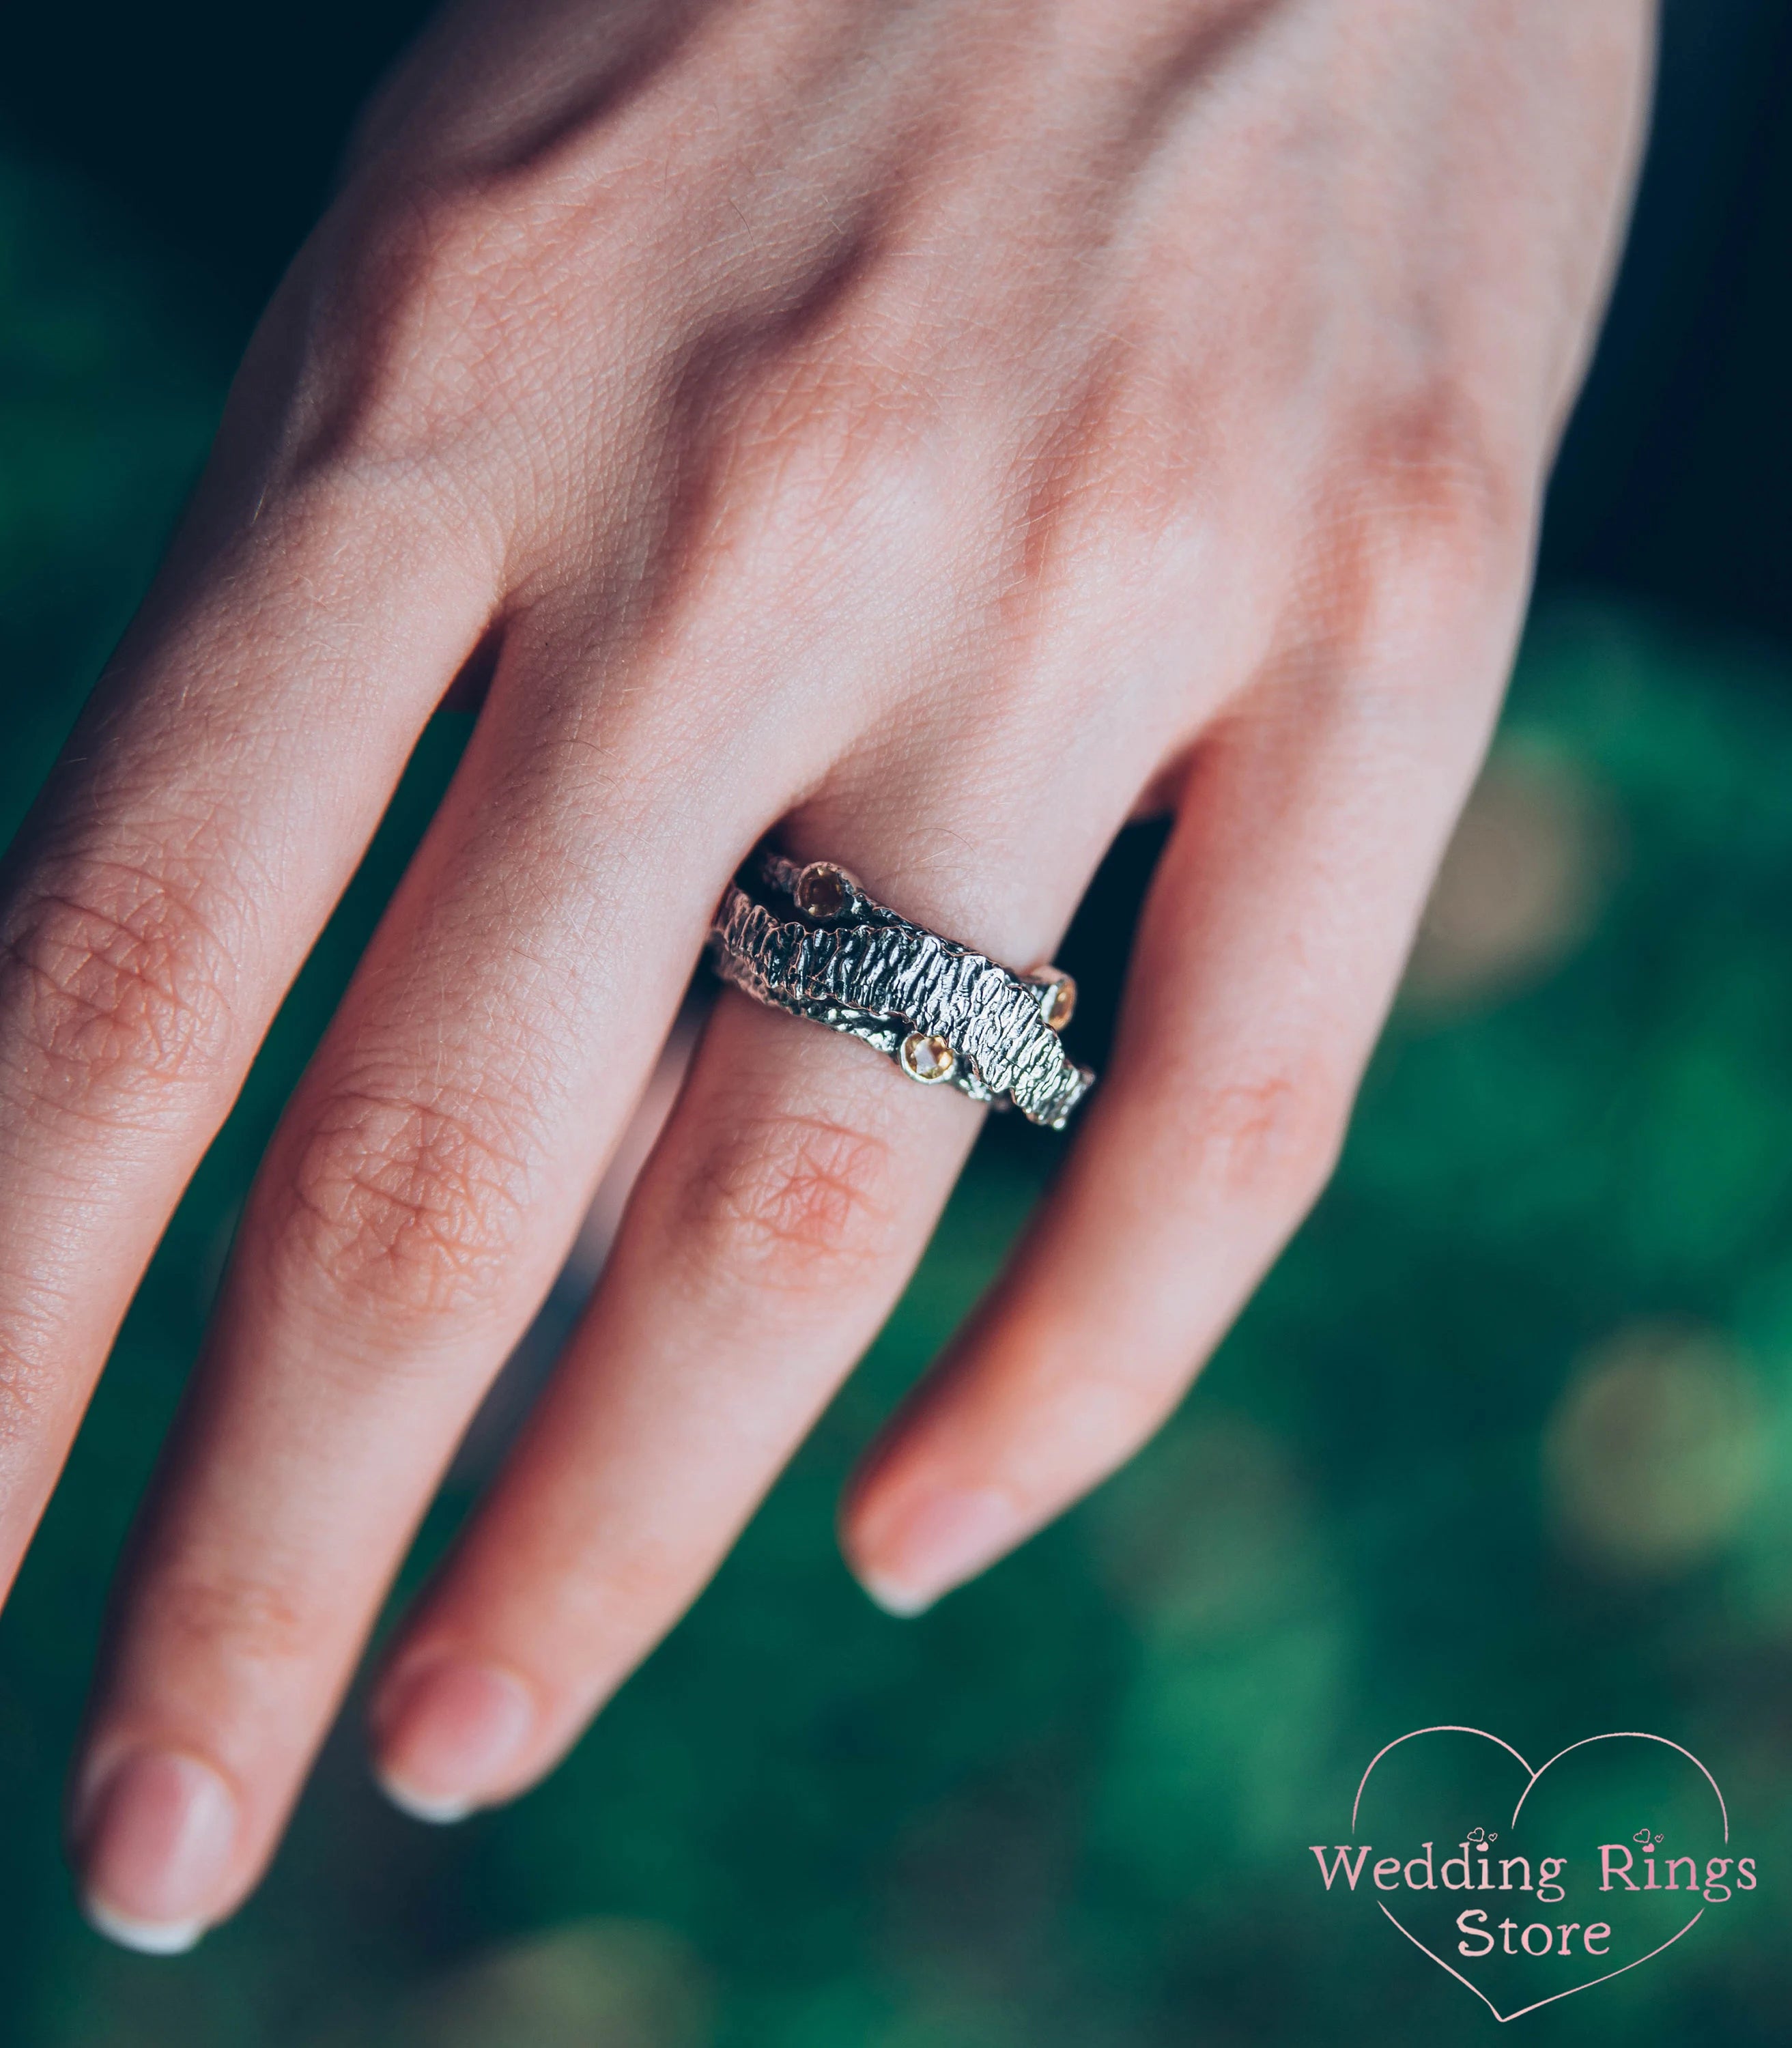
<point x="927" y="1058"/>
<point x="823" y="890"/>
<point x="1057" y="996"/>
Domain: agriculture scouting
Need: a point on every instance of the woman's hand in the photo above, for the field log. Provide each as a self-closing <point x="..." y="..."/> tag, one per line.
<point x="934" y="433"/>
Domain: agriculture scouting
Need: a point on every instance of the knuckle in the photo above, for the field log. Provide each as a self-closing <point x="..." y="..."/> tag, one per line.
<point x="1429" y="474"/>
<point x="1270" y="1138"/>
<point x="110" y="981"/>
<point x="210" y="1610"/>
<point x="834" y="411"/>
<point x="1119" y="454"/>
<point x="807" y="436"/>
<point x="785" y="1204"/>
<point x="406" y="1202"/>
<point x="433" y="297"/>
<point x="1424" y="518"/>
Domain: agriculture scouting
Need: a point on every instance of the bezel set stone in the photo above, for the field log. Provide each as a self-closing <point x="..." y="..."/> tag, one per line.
<point x="927" y="1058"/>
<point x="825" y="890"/>
<point x="1058" y="995"/>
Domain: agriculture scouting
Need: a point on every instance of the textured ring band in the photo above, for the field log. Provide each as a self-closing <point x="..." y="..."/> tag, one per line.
<point x="942" y="1012"/>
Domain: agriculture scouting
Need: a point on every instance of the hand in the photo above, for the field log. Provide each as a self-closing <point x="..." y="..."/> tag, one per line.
<point x="933" y="433"/>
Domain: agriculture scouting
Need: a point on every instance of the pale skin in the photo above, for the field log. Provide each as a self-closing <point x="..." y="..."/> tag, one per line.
<point x="933" y="434"/>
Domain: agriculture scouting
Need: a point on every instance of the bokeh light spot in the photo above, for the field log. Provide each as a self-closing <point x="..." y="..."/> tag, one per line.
<point x="1520" y="886"/>
<point x="1655" y="1450"/>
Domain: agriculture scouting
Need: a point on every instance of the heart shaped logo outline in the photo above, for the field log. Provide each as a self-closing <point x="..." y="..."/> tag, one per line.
<point x="1612" y="1735"/>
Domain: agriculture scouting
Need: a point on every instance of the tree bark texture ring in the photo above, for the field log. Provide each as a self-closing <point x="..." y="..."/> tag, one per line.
<point x="808" y="939"/>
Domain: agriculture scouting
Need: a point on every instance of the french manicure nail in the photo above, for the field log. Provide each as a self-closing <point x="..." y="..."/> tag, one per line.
<point x="451" y="1735"/>
<point x="154" y="1849"/>
<point x="940" y="1540"/>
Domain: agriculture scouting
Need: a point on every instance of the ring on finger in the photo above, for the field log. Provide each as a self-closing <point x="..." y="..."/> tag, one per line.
<point x="944" y="1013"/>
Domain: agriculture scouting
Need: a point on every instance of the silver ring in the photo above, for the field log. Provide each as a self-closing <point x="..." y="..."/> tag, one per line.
<point x="941" y="1012"/>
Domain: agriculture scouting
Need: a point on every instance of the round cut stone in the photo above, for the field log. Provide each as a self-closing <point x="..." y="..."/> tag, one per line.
<point x="927" y="1058"/>
<point x="823" y="890"/>
<point x="1057" y="996"/>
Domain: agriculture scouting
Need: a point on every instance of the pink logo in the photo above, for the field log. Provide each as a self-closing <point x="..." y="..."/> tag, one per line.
<point x="1542" y="1893"/>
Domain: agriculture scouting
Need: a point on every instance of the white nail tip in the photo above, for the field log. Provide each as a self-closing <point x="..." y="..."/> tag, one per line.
<point x="420" y="1806"/>
<point x="900" y="1601"/>
<point x="147" y="1937"/>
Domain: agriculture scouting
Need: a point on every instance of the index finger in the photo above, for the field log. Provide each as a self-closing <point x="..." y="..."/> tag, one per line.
<point x="207" y="813"/>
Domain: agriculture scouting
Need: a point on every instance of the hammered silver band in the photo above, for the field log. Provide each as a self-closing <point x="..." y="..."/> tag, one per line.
<point x="808" y="939"/>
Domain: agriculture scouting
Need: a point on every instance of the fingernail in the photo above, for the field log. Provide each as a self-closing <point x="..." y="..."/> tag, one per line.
<point x="942" y="1540"/>
<point x="450" y="1736"/>
<point x="154" y="1851"/>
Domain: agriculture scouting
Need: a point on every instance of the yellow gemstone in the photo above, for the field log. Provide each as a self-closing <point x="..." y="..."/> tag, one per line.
<point x="823" y="890"/>
<point x="1057" y="996"/>
<point x="928" y="1059"/>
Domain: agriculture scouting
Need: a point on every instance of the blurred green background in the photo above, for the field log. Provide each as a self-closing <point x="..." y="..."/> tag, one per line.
<point x="1506" y="1438"/>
